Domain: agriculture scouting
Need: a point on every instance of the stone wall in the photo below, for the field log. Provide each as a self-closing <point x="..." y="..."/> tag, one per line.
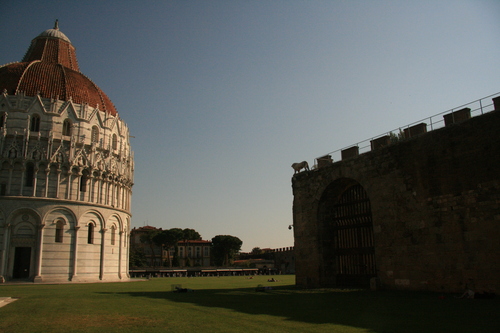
<point x="435" y="202"/>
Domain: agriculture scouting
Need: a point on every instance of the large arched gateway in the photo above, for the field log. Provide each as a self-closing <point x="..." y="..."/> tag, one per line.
<point x="346" y="235"/>
<point x="417" y="213"/>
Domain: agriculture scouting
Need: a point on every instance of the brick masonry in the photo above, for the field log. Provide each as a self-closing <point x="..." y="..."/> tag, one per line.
<point x="435" y="202"/>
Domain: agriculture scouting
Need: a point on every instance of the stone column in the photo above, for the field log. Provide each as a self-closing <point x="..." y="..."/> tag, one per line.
<point x="74" y="276"/>
<point x="38" y="268"/>
<point x="104" y="191"/>
<point x="98" y="185"/>
<point x="35" y="182"/>
<point x="79" y="195"/>
<point x="11" y="170"/>
<point x="117" y="195"/>
<point x="47" y="175"/>
<point x="120" y="254"/>
<point x="58" y="182"/>
<point x="23" y="173"/>
<point x="91" y="188"/>
<point x="3" y="252"/>
<point x="112" y="191"/>
<point x="68" y="186"/>
<point x="103" y="253"/>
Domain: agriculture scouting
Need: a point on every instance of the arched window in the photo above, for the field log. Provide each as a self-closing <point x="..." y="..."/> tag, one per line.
<point x="115" y="142"/>
<point x="90" y="236"/>
<point x="83" y="182"/>
<point x="66" y="130"/>
<point x="113" y="235"/>
<point x="30" y="174"/>
<point x="35" y="123"/>
<point x="59" y="231"/>
<point x="2" y="116"/>
<point x="95" y="134"/>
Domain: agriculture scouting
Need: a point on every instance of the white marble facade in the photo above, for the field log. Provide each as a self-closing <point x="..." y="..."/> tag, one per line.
<point x="66" y="176"/>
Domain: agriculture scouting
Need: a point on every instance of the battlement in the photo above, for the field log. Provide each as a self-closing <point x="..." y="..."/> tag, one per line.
<point x="447" y="118"/>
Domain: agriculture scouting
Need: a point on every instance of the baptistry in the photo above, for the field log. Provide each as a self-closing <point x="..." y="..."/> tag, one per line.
<point x="66" y="171"/>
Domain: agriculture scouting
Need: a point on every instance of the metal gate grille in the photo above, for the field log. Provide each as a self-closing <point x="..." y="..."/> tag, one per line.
<point x="353" y="238"/>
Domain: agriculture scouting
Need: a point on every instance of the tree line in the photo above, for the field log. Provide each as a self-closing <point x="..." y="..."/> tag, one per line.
<point x="224" y="247"/>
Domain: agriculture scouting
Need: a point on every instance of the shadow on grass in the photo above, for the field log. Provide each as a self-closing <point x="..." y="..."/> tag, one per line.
<point x="384" y="311"/>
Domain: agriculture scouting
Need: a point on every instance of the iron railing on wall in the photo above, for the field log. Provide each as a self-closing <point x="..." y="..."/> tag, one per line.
<point x="454" y="115"/>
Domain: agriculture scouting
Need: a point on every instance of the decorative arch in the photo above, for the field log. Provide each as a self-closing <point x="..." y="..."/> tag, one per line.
<point x="23" y="229"/>
<point x="116" y="220"/>
<point x="346" y="238"/>
<point x="115" y="226"/>
<point x="93" y="215"/>
<point x="22" y="249"/>
<point x="24" y="215"/>
<point x="93" y="222"/>
<point x="60" y="213"/>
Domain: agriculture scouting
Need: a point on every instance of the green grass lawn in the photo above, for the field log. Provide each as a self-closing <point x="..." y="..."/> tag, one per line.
<point x="231" y="304"/>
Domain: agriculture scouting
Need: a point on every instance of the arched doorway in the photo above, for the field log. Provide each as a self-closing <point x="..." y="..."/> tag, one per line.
<point x="346" y="235"/>
<point x="22" y="243"/>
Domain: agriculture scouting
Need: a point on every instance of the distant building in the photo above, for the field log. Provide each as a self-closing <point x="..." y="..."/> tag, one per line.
<point x="284" y="260"/>
<point x="152" y="253"/>
<point x="190" y="252"/>
<point x="280" y="260"/>
<point x="66" y="171"/>
<point x="194" y="253"/>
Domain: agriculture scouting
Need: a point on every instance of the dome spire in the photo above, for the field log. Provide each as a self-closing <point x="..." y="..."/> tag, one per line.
<point x="56" y="25"/>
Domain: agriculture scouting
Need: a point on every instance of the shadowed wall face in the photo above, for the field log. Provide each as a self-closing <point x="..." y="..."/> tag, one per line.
<point x="419" y="214"/>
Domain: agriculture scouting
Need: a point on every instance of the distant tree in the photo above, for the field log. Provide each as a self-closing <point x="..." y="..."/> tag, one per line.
<point x="257" y="251"/>
<point x="224" y="248"/>
<point x="167" y="239"/>
<point x="137" y="257"/>
<point x="190" y="234"/>
<point x="175" y="261"/>
<point x="147" y="237"/>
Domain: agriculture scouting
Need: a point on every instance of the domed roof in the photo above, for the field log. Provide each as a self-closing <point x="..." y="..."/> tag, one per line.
<point x="55" y="32"/>
<point x="50" y="69"/>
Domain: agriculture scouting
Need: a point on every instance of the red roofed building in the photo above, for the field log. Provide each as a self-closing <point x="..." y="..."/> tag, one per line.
<point x="190" y="253"/>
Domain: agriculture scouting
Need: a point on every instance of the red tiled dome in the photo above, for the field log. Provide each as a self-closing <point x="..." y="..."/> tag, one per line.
<point x="50" y="69"/>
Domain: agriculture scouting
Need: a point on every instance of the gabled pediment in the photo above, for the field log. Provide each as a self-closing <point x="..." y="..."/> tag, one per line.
<point x="4" y="100"/>
<point x="80" y="158"/>
<point x="37" y="106"/>
<point x="97" y="116"/>
<point x="68" y="109"/>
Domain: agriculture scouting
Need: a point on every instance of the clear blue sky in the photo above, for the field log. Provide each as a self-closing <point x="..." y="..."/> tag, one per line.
<point x="223" y="96"/>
